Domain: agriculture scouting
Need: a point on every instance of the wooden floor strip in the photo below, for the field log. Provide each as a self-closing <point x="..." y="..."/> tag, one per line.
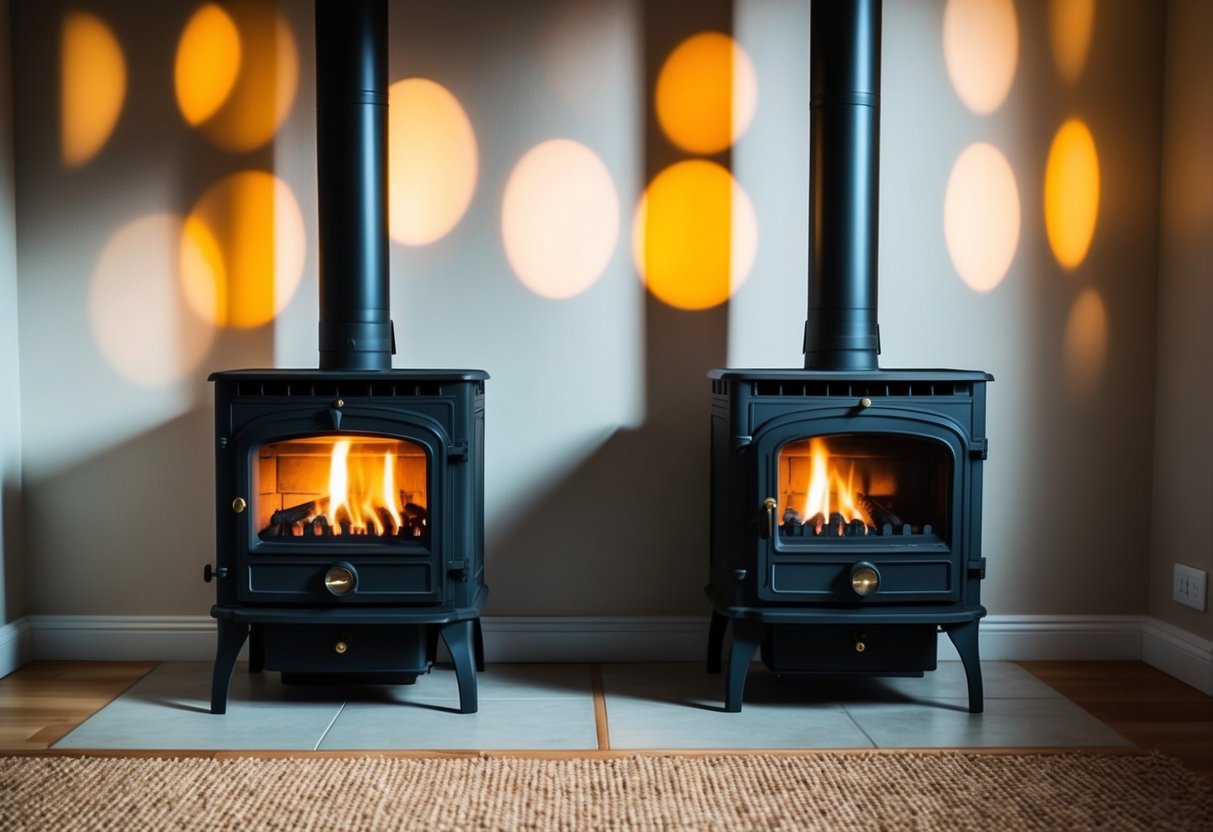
<point x="600" y="710"/>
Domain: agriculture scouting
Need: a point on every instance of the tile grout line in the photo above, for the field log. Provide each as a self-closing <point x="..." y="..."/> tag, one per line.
<point x="600" y="709"/>
<point x="858" y="727"/>
<point x="329" y="727"/>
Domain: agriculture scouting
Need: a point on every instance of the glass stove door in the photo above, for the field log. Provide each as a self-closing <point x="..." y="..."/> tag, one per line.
<point x="341" y="489"/>
<point x="863" y="487"/>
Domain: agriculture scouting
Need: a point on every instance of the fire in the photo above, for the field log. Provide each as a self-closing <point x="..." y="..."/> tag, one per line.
<point x="352" y="506"/>
<point x="829" y="493"/>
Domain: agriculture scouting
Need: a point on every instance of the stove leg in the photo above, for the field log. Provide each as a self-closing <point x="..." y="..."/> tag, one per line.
<point x="716" y="640"/>
<point x="964" y="638"/>
<point x="747" y="635"/>
<point x="231" y="639"/>
<point x="459" y="639"/>
<point x="478" y="644"/>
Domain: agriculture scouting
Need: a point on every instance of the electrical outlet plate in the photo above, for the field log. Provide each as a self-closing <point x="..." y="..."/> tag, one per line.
<point x="1188" y="586"/>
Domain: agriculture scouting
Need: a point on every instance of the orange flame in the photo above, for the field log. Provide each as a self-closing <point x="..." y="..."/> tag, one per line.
<point x="828" y="493"/>
<point x="360" y="511"/>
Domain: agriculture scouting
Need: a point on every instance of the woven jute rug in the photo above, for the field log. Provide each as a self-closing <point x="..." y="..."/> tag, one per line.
<point x="895" y="791"/>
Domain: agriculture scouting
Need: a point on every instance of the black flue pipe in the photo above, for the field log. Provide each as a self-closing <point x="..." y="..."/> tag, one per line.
<point x="351" y="144"/>
<point x="841" y="332"/>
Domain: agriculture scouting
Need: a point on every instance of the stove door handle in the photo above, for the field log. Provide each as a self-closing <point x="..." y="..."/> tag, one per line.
<point x="768" y="529"/>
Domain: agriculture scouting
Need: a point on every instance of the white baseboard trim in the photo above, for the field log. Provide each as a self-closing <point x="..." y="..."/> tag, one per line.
<point x="605" y="639"/>
<point x="15" y="646"/>
<point x="1178" y="653"/>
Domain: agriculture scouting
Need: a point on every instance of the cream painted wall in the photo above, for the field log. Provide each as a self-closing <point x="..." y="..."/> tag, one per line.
<point x="600" y="508"/>
<point x="1183" y="461"/>
<point x="12" y="582"/>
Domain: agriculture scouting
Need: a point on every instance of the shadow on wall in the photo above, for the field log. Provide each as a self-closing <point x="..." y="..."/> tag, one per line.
<point x="133" y="525"/>
<point x="626" y="531"/>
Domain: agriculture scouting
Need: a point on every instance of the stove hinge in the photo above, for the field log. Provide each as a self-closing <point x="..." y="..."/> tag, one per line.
<point x="458" y="569"/>
<point x="457" y="452"/>
<point x="979" y="448"/>
<point x="977" y="568"/>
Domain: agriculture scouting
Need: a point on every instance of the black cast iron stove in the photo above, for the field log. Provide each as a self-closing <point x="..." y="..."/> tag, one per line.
<point x="846" y="499"/>
<point x="350" y="499"/>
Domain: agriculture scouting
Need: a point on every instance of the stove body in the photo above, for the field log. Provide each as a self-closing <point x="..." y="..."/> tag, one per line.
<point x="814" y="588"/>
<point x="361" y="586"/>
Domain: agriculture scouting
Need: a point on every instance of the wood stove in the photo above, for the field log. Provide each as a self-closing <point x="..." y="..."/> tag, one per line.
<point x="846" y="499"/>
<point x="350" y="499"/>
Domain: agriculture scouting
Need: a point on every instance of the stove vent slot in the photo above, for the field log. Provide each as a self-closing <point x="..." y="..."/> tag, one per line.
<point x="335" y="390"/>
<point x="853" y="389"/>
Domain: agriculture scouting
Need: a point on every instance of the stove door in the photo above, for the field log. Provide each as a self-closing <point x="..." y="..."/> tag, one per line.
<point x="354" y="515"/>
<point x="860" y="510"/>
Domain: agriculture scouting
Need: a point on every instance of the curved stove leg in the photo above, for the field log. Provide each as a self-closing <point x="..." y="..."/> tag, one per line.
<point x="460" y="643"/>
<point x="747" y="636"/>
<point x="231" y="639"/>
<point x="964" y="637"/>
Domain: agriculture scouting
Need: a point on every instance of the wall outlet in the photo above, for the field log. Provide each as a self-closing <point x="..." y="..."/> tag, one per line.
<point x="1188" y="586"/>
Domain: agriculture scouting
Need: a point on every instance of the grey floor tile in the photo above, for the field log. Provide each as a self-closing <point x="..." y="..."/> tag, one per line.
<point x="170" y="709"/>
<point x="1006" y="723"/>
<point x="515" y="724"/>
<point x="681" y="706"/>
<point x="503" y="681"/>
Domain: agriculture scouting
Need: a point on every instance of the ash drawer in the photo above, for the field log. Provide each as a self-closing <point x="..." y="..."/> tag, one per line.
<point x="337" y="648"/>
<point x="844" y="648"/>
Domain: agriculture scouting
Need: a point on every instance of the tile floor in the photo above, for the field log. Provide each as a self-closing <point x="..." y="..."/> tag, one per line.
<point x="551" y="707"/>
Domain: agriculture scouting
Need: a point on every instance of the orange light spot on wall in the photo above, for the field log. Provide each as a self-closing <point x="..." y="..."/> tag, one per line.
<point x="265" y="76"/>
<point x="432" y="161"/>
<point x="707" y="92"/>
<point x="559" y="218"/>
<point x="243" y="250"/>
<point x="92" y="86"/>
<point x="1086" y="344"/>
<point x="1071" y="193"/>
<point x="1071" y="25"/>
<point x="138" y="314"/>
<point x="981" y="51"/>
<point x="695" y="235"/>
<point x="208" y="63"/>
<point x="981" y="216"/>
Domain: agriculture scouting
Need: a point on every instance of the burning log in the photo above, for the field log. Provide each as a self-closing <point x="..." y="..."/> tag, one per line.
<point x="816" y="522"/>
<point x="791" y="517"/>
<point x="294" y="514"/>
<point x="882" y="518"/>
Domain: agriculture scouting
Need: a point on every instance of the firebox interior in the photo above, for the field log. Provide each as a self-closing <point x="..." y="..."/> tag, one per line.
<point x="359" y="488"/>
<point x="857" y="485"/>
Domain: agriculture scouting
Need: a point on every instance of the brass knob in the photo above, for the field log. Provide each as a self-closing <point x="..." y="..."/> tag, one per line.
<point x="340" y="580"/>
<point x="864" y="579"/>
<point x="341" y="647"/>
<point x="860" y="647"/>
<point x="339" y="403"/>
<point x="865" y="402"/>
<point x="239" y="505"/>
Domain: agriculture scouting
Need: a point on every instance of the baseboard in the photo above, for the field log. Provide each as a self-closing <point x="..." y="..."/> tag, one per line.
<point x="578" y="638"/>
<point x="1178" y="653"/>
<point x="15" y="647"/>
<point x="123" y="637"/>
<point x="1055" y="638"/>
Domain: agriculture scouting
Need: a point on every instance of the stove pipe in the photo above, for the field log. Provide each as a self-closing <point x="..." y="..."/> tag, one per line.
<point x="841" y="332"/>
<point x="351" y="141"/>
